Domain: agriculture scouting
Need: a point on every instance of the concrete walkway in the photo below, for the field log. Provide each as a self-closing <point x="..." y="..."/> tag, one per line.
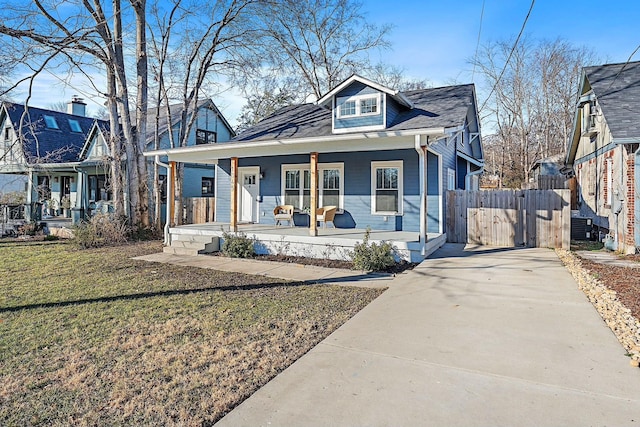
<point x="276" y="270"/>
<point x="608" y="258"/>
<point x="468" y="338"/>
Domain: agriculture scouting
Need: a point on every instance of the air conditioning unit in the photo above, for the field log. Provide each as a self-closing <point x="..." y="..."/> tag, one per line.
<point x="581" y="228"/>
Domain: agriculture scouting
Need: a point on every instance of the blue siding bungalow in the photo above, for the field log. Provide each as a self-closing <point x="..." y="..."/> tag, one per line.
<point x="384" y="158"/>
<point x="209" y="127"/>
<point x="62" y="157"/>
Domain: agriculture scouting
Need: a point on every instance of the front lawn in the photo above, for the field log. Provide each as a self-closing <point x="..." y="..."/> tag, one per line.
<point x="95" y="338"/>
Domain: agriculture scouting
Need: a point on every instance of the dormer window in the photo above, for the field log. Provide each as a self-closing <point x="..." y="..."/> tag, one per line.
<point x="360" y="105"/>
<point x="369" y="106"/>
<point x="348" y="109"/>
<point x="50" y="122"/>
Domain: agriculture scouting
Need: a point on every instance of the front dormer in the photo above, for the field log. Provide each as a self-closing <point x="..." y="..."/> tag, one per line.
<point x="360" y="105"/>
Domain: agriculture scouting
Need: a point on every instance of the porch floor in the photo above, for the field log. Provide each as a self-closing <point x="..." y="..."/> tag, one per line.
<point x="329" y="243"/>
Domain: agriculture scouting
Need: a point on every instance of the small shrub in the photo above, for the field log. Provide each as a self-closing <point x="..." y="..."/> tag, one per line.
<point x="372" y="256"/>
<point x="29" y="229"/>
<point x="238" y="246"/>
<point x="51" y="238"/>
<point x="101" y="230"/>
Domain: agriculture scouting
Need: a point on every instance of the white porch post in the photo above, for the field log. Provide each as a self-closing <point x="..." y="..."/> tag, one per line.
<point x="171" y="197"/>
<point x="422" y="167"/>
<point x="234" y="194"/>
<point x="28" y="209"/>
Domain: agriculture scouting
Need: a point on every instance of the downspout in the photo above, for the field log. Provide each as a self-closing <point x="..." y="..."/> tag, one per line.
<point x="423" y="194"/>
<point x="467" y="182"/>
<point x="167" y="236"/>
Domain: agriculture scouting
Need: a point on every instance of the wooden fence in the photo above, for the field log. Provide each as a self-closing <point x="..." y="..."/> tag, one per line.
<point x="198" y="210"/>
<point x="510" y="218"/>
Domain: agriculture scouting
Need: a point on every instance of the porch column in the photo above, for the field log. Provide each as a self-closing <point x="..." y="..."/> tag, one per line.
<point x="171" y="197"/>
<point x="28" y="212"/>
<point x="313" y="226"/>
<point x="234" y="194"/>
<point x="422" y="172"/>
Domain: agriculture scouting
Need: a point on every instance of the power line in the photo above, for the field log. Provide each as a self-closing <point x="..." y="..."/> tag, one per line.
<point x="622" y="69"/>
<point x="509" y="57"/>
<point x="475" y="58"/>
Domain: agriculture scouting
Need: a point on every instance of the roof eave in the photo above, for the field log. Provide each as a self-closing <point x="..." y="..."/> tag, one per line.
<point x="287" y="146"/>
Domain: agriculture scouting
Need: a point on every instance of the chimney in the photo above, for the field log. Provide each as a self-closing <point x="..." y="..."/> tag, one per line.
<point x="77" y="106"/>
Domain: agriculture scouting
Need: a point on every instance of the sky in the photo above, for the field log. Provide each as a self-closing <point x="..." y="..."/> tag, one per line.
<point x="436" y="39"/>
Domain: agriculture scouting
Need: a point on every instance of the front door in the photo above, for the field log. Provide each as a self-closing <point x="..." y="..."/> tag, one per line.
<point x="248" y="181"/>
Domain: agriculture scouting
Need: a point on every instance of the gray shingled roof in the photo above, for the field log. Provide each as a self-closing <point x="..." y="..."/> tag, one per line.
<point x="433" y="108"/>
<point x="42" y="144"/>
<point x="176" y="115"/>
<point x="617" y="88"/>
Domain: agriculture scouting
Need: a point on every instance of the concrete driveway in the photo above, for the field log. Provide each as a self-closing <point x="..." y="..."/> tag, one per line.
<point x="469" y="338"/>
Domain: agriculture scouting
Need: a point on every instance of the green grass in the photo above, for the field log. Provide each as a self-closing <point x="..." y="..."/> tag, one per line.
<point x="95" y="338"/>
<point x="586" y="245"/>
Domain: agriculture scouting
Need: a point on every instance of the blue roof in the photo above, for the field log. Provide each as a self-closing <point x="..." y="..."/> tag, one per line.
<point x="45" y="144"/>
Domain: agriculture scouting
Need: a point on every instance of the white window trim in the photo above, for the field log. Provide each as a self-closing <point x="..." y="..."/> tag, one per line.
<point x="387" y="164"/>
<point x="451" y="179"/>
<point x="357" y="99"/>
<point x="306" y="166"/>
<point x="355" y="113"/>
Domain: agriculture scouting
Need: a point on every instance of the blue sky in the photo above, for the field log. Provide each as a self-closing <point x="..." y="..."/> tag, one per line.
<point x="434" y="39"/>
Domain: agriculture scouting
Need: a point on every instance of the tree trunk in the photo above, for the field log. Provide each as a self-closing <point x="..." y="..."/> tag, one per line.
<point x="139" y="7"/>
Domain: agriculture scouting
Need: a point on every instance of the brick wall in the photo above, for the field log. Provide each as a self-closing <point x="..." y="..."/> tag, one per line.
<point x="630" y="202"/>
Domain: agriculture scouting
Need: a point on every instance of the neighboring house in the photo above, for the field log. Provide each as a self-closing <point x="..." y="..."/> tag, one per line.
<point x="549" y="166"/>
<point x="604" y="151"/>
<point x="209" y="127"/>
<point x="65" y="157"/>
<point x="549" y="173"/>
<point x="43" y="146"/>
<point x="384" y="158"/>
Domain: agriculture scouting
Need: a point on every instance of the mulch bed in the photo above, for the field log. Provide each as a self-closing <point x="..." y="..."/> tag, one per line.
<point x="398" y="268"/>
<point x="625" y="281"/>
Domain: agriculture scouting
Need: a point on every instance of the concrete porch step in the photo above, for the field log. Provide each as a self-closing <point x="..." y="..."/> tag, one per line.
<point x="202" y="245"/>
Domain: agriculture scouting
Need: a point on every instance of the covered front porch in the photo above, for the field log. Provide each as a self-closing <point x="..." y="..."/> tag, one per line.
<point x="330" y="243"/>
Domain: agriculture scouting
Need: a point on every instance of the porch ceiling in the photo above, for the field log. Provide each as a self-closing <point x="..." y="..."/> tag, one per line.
<point x="374" y="141"/>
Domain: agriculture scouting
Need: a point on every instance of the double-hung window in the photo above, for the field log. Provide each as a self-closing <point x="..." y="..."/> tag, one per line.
<point x="297" y="188"/>
<point x="296" y="185"/>
<point x="386" y="188"/>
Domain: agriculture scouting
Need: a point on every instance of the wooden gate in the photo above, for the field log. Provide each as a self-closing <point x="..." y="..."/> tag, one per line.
<point x="198" y="210"/>
<point x="510" y="218"/>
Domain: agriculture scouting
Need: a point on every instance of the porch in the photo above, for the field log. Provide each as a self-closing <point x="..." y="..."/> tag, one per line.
<point x="330" y="243"/>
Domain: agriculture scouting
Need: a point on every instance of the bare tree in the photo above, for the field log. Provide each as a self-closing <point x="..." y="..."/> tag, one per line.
<point x="190" y="43"/>
<point x="99" y="35"/>
<point x="531" y="103"/>
<point x="265" y="97"/>
<point x="321" y="41"/>
<point x="307" y="47"/>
